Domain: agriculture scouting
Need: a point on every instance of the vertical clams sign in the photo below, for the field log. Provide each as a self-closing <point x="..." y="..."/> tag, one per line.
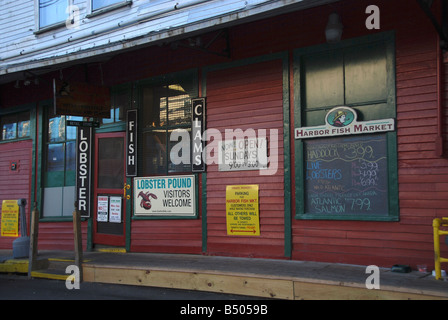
<point x="197" y="132"/>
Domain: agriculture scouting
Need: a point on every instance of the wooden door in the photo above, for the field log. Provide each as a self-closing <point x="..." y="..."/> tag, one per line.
<point x="109" y="179"/>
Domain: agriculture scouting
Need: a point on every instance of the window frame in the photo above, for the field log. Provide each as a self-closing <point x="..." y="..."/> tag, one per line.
<point x="388" y="38"/>
<point x="111" y="7"/>
<point x="163" y="80"/>
<point x="16" y="138"/>
<point x="67" y="177"/>
<point x="51" y="26"/>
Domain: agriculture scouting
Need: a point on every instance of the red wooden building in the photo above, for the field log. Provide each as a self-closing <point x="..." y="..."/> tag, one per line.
<point x="277" y="73"/>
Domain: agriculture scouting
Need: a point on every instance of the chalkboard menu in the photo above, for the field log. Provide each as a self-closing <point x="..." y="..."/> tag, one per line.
<point x="346" y="176"/>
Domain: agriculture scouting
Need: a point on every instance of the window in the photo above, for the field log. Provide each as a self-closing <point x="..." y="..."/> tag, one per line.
<point x="60" y="164"/>
<point x="166" y="106"/>
<point x="121" y="101"/>
<point x="98" y="4"/>
<point x="350" y="177"/>
<point x="357" y="76"/>
<point x="15" y="126"/>
<point x="52" y="12"/>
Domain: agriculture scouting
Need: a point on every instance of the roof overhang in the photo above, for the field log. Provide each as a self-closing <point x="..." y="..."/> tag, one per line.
<point x="13" y="70"/>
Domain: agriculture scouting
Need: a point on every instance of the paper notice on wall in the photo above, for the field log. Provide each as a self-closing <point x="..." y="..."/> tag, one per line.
<point x="103" y="209"/>
<point x="115" y="209"/>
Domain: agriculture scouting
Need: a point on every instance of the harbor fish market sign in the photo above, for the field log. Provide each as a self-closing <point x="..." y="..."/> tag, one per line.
<point x="343" y="121"/>
<point x="165" y="196"/>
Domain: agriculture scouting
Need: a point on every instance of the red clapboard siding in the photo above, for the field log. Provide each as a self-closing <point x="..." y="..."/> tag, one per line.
<point x="59" y="235"/>
<point x="170" y="236"/>
<point x="246" y="97"/>
<point x="15" y="184"/>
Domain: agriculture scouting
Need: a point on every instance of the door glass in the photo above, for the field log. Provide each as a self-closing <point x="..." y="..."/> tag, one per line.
<point x="111" y="163"/>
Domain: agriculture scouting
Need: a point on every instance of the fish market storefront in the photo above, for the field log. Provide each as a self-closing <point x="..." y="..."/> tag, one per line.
<point x="263" y="138"/>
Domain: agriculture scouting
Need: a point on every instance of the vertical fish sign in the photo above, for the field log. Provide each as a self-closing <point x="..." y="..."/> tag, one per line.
<point x="131" y="144"/>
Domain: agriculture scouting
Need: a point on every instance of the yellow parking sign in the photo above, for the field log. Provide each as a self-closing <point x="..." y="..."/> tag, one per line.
<point x="10" y="218"/>
<point x="242" y="210"/>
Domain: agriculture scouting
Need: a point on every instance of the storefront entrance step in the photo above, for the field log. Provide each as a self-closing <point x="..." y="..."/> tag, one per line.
<point x="21" y="265"/>
<point x="111" y="249"/>
<point x="53" y="274"/>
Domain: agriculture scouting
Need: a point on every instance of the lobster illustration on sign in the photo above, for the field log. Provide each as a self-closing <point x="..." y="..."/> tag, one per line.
<point x="146" y="200"/>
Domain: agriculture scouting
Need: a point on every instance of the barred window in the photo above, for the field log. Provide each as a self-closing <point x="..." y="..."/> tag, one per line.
<point x="166" y="106"/>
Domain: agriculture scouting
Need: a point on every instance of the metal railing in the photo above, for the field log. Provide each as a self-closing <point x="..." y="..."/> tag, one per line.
<point x="437" y="224"/>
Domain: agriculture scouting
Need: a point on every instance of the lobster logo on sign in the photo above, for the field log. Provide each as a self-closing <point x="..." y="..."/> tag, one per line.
<point x="146" y="199"/>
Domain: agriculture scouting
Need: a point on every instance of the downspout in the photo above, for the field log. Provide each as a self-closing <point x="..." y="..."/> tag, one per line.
<point x="439" y="143"/>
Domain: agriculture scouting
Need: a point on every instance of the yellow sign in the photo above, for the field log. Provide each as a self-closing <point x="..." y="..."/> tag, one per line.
<point x="10" y="218"/>
<point x="242" y="210"/>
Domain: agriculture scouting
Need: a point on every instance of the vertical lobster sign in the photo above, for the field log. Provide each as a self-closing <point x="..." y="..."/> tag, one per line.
<point x="83" y="170"/>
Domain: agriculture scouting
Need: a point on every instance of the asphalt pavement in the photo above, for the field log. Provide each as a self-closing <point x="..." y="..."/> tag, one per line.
<point x="19" y="287"/>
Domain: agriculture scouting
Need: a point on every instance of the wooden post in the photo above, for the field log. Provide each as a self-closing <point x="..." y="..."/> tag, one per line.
<point x="33" y="240"/>
<point x="78" y="240"/>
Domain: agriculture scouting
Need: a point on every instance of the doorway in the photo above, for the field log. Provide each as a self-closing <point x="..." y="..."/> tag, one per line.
<point x="109" y="227"/>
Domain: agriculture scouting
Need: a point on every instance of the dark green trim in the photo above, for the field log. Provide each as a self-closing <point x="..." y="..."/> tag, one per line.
<point x="284" y="56"/>
<point x="89" y="234"/>
<point x="387" y="38"/>
<point x="40" y="148"/>
<point x="287" y="156"/>
<point x="128" y="215"/>
<point x="113" y="127"/>
<point x="204" y="212"/>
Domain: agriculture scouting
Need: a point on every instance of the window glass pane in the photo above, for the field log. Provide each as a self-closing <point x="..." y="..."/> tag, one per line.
<point x="366" y="74"/>
<point x="324" y="80"/>
<point x="154" y="152"/>
<point x="9" y="127"/>
<point x="97" y="4"/>
<point x="179" y="106"/>
<point x="70" y="156"/>
<point x="52" y="11"/>
<point x="23" y="129"/>
<point x="71" y="131"/>
<point x="155" y="105"/>
<point x="55" y="157"/>
<point x="56" y="129"/>
<point x="182" y="151"/>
